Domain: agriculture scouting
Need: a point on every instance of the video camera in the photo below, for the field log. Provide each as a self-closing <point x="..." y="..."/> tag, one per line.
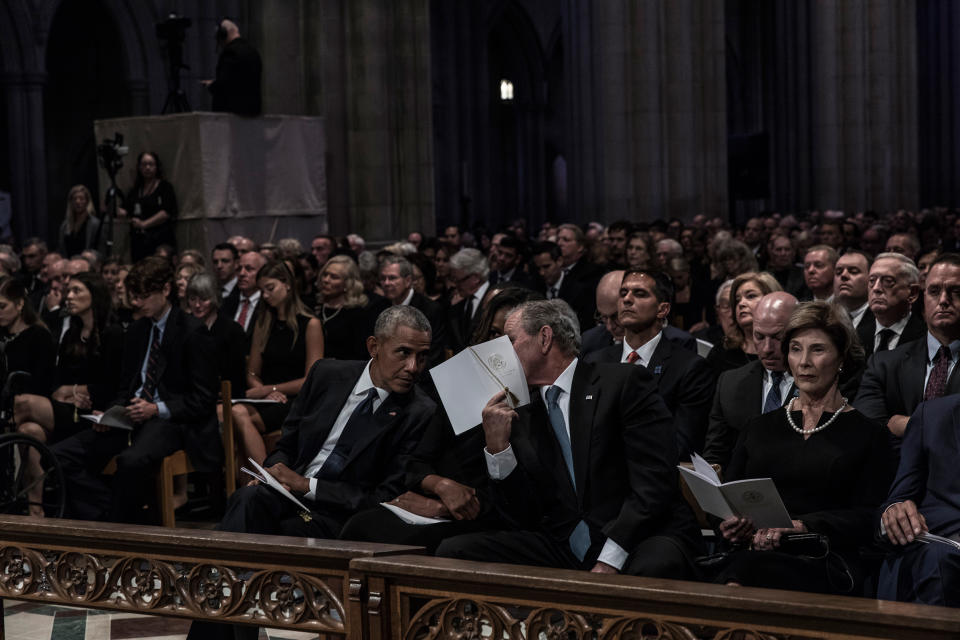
<point x="173" y="29"/>
<point x="111" y="152"/>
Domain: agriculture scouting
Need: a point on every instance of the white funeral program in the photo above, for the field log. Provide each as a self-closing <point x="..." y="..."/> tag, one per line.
<point x="468" y="380"/>
<point x="756" y="498"/>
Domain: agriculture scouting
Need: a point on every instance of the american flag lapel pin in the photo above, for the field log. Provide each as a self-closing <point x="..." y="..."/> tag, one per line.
<point x="590" y="397"/>
<point x="393" y="414"/>
<point x="658" y="369"/>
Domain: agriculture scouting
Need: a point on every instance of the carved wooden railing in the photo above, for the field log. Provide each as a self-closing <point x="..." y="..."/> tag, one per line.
<point x="270" y="581"/>
<point x="422" y="598"/>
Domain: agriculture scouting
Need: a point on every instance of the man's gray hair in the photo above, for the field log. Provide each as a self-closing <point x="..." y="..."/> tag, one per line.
<point x="555" y="314"/>
<point x="406" y="269"/>
<point x="470" y="261"/>
<point x="907" y="267"/>
<point x="397" y="316"/>
<point x="9" y="259"/>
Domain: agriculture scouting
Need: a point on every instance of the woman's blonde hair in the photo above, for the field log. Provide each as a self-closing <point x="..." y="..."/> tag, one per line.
<point x="72" y="223"/>
<point x="766" y="283"/>
<point x="352" y="284"/>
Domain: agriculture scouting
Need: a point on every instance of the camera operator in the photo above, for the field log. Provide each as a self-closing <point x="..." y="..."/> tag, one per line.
<point x="237" y="86"/>
<point x="152" y="208"/>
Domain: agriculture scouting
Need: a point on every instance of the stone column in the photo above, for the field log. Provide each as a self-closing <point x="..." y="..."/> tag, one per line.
<point x="28" y="170"/>
<point x="863" y="101"/>
<point x="661" y="109"/>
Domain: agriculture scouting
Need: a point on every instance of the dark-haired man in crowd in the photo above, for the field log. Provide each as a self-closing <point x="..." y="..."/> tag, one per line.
<point x="322" y="247"/>
<point x="587" y="471"/>
<point x="684" y="380"/>
<point x="851" y="290"/>
<point x="573" y="251"/>
<point x="396" y="280"/>
<point x="169" y="390"/>
<point x="506" y="261"/>
<point x="579" y="294"/>
<point x="344" y="442"/>
<point x="616" y="240"/>
<point x="224" y="258"/>
<point x="897" y="381"/>
<point x="755" y="388"/>
<point x="781" y="263"/>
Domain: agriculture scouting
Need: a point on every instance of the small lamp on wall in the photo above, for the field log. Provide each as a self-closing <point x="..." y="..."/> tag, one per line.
<point x="506" y="91"/>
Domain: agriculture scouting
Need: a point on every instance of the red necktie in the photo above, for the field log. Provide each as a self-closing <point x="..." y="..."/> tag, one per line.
<point x="244" y="310"/>
<point x="937" y="383"/>
<point x="632" y="357"/>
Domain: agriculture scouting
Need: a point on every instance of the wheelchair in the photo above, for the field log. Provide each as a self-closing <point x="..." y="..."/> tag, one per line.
<point x="24" y="486"/>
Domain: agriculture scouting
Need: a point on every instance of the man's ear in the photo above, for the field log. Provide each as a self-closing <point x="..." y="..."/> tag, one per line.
<point x="663" y="310"/>
<point x="373" y="347"/>
<point x="545" y="337"/>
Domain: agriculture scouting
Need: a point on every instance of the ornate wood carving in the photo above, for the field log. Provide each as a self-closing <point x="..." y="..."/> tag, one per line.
<point x="273" y="597"/>
<point x="472" y="619"/>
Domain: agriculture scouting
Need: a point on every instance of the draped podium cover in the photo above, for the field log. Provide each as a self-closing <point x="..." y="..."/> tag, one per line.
<point x="260" y="177"/>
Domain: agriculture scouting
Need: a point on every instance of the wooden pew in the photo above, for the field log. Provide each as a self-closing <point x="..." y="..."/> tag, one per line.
<point x="270" y="581"/>
<point x="413" y="597"/>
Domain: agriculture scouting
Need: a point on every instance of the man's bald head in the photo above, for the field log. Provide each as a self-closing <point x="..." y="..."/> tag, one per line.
<point x="608" y="293"/>
<point x="229" y="29"/>
<point x="770" y="318"/>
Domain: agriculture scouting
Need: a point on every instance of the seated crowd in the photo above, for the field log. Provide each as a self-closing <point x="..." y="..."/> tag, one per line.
<point x="818" y="352"/>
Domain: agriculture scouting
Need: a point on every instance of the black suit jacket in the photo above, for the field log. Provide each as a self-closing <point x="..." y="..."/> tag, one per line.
<point x="624" y="459"/>
<point x="374" y="470"/>
<point x="867" y="329"/>
<point x="893" y="383"/>
<point x="237" y="85"/>
<point x="928" y="465"/>
<point x="737" y="400"/>
<point x="229" y="310"/>
<point x="594" y="339"/>
<point x="685" y="382"/>
<point x="581" y="295"/>
<point x="187" y="380"/>
<point x="438" y="325"/>
<point x="458" y="334"/>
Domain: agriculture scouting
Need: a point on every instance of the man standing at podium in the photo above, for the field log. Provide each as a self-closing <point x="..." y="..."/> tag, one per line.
<point x="237" y="86"/>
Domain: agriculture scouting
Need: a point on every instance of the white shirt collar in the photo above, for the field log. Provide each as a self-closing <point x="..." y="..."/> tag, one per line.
<point x="857" y="314"/>
<point x="564" y="380"/>
<point x="406" y="301"/>
<point x="645" y="352"/>
<point x="365" y="383"/>
<point x="897" y="326"/>
<point x="768" y="376"/>
<point x="478" y="295"/>
<point x="254" y="297"/>
<point x="228" y="286"/>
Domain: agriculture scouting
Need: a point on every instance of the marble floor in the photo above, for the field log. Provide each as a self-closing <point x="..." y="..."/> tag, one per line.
<point x="35" y="621"/>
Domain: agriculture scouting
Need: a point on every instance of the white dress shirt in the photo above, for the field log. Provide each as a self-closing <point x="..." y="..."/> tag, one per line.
<point x="227" y="287"/>
<point x="897" y="328"/>
<point x="406" y="301"/>
<point x="254" y="300"/>
<point x="785" y="384"/>
<point x="500" y="465"/>
<point x="645" y="352"/>
<point x="359" y="393"/>
<point x="477" y="298"/>
<point x="857" y="314"/>
<point x="159" y="326"/>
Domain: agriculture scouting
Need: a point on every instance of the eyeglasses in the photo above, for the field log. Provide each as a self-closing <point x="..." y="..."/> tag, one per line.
<point x="600" y="318"/>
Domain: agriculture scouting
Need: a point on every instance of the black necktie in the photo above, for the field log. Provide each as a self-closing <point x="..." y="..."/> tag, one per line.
<point x="153" y="363"/>
<point x="360" y="423"/>
<point x="886" y="335"/>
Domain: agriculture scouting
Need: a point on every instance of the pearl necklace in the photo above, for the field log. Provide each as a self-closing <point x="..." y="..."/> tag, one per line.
<point x="807" y="432"/>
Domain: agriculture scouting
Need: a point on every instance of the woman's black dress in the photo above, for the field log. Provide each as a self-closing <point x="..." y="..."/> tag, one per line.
<point x="283" y="359"/>
<point x="33" y="351"/>
<point x="833" y="481"/>
<point x="163" y="198"/>
<point x="99" y="370"/>
<point x="724" y="359"/>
